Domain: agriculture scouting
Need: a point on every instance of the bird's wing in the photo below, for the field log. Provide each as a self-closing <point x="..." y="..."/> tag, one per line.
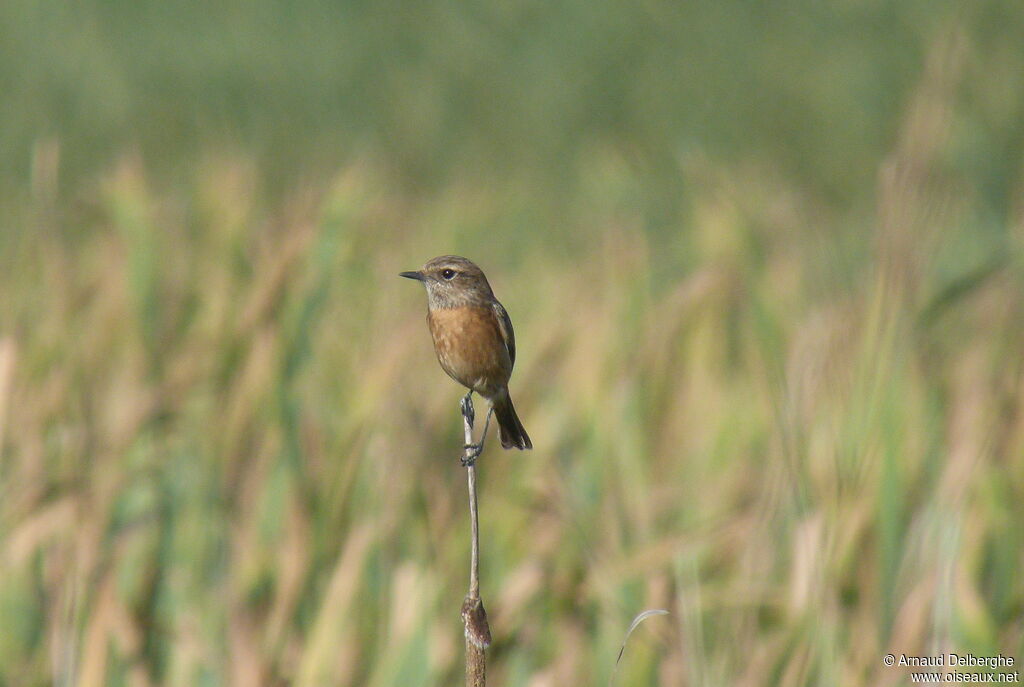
<point x="505" y="327"/>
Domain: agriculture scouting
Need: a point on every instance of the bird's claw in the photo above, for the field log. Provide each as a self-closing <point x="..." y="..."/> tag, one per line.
<point x="473" y="452"/>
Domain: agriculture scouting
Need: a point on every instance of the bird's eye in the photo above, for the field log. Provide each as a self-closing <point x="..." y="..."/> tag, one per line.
<point x="447" y="274"/>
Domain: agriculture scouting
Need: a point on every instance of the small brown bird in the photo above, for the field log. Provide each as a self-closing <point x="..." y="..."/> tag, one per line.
<point x="473" y="337"/>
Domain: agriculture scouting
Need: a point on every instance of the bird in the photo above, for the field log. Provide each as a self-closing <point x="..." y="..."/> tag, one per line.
<point x="473" y="340"/>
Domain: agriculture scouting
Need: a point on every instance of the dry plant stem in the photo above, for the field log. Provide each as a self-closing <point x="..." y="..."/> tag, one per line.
<point x="474" y="617"/>
<point x="474" y="526"/>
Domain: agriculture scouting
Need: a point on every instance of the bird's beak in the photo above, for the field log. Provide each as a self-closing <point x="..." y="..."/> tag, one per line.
<point x="413" y="275"/>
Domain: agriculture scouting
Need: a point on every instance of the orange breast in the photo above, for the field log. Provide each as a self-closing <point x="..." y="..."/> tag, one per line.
<point x="470" y="348"/>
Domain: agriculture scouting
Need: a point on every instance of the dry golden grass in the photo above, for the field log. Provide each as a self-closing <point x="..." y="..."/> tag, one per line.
<point x="227" y="455"/>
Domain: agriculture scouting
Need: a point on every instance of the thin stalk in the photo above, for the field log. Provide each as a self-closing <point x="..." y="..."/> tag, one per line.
<point x="474" y="617"/>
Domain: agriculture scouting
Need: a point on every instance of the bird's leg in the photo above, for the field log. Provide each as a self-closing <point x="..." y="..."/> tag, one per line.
<point x="487" y="423"/>
<point x="467" y="408"/>
<point x="470" y="450"/>
<point x="473" y="451"/>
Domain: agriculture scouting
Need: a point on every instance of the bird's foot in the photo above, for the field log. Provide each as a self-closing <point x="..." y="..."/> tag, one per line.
<point x="473" y="452"/>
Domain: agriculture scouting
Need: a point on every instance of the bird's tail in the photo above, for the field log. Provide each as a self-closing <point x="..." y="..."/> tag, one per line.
<point x="510" y="429"/>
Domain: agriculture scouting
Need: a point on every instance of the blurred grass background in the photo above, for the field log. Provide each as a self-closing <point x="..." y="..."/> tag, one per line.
<point x="765" y="266"/>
